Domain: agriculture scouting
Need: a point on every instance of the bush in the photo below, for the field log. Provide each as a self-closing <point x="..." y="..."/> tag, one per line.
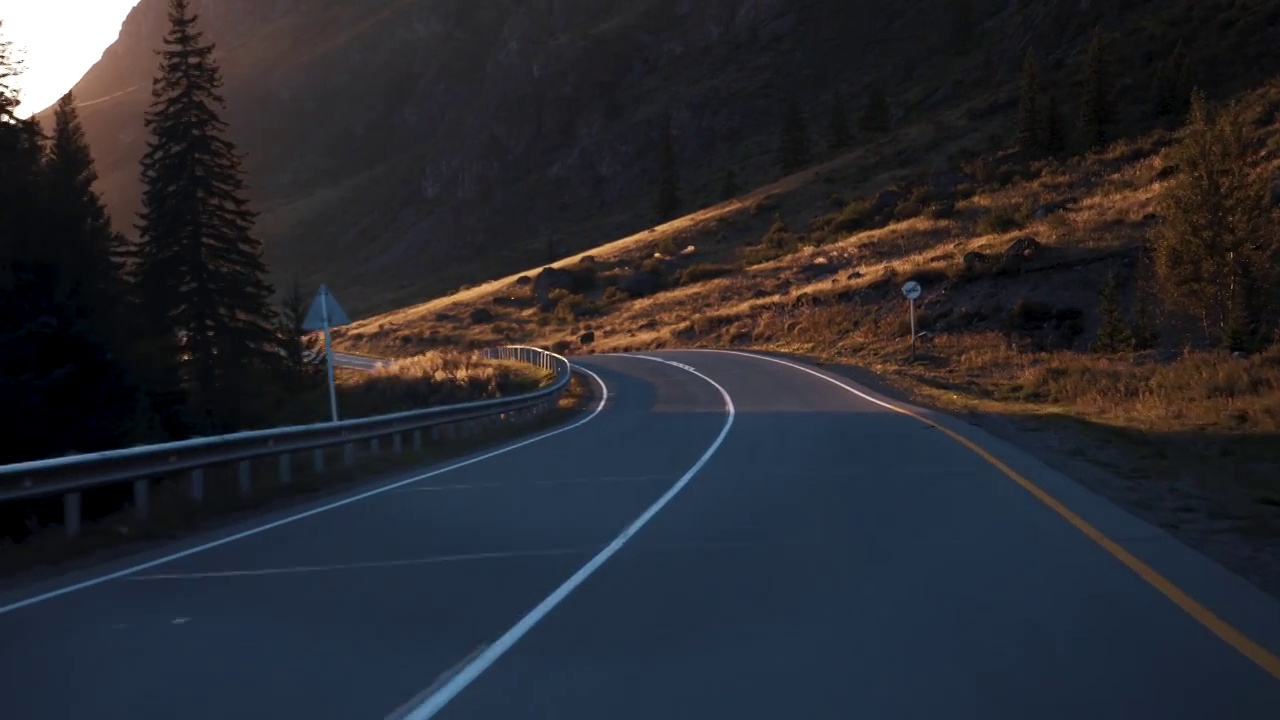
<point x="1004" y="219"/>
<point x="857" y="215"/>
<point x="572" y="307"/>
<point x="614" y="295"/>
<point x="584" y="277"/>
<point x="703" y="272"/>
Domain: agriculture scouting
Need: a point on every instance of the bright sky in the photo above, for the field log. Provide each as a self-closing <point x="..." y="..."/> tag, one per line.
<point x="59" y="40"/>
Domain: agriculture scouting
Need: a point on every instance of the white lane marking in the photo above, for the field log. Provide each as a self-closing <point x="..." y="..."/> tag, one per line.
<point x="181" y="621"/>
<point x="456" y="684"/>
<point x="604" y="398"/>
<point x="401" y="712"/>
<point x="300" y="569"/>
<point x="517" y="484"/>
<point x="802" y="368"/>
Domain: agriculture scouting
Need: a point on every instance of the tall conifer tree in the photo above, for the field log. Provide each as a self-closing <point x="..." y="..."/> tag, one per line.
<point x="200" y="275"/>
<point x="1031" y="108"/>
<point x="794" y="153"/>
<point x="1096" y="104"/>
<point x="668" y="204"/>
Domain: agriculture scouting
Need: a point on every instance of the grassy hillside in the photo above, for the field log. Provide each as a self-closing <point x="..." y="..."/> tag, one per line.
<point x="1014" y="254"/>
<point x="400" y="148"/>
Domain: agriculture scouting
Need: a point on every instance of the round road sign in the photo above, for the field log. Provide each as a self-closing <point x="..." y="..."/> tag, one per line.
<point x="911" y="290"/>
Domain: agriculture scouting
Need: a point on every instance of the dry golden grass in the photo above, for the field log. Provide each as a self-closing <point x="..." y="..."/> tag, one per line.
<point x="836" y="297"/>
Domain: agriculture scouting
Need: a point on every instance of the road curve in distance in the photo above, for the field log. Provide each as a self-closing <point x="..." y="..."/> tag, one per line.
<point x="358" y="362"/>
<point x="837" y="558"/>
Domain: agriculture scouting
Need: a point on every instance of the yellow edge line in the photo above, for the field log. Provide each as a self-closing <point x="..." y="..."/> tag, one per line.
<point x="1262" y="657"/>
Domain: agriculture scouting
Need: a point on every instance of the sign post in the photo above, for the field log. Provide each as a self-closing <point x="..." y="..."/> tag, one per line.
<point x="912" y="291"/>
<point x="324" y="314"/>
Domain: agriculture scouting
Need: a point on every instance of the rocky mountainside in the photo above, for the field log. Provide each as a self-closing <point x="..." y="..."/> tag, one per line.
<point x="399" y="148"/>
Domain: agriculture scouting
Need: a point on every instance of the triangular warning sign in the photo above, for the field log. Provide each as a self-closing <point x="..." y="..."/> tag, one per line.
<point x="324" y="301"/>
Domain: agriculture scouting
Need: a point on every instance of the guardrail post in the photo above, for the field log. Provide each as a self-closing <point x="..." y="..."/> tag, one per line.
<point x="286" y="468"/>
<point x="317" y="460"/>
<point x="71" y="513"/>
<point x="246" y="478"/>
<point x="373" y="446"/>
<point x="417" y="439"/>
<point x="397" y="445"/>
<point x="348" y="453"/>
<point x="141" y="498"/>
<point x="197" y="485"/>
<point x="435" y="433"/>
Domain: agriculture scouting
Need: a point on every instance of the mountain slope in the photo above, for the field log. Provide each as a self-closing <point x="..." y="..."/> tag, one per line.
<point x="399" y="148"/>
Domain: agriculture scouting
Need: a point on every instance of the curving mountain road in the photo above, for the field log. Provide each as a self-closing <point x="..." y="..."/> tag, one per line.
<point x="723" y="536"/>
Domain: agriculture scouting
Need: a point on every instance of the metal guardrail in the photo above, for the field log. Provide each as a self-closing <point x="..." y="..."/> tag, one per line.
<point x="70" y="476"/>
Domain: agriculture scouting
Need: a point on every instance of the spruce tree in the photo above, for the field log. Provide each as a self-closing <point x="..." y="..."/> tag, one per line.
<point x="668" y="206"/>
<point x="304" y="361"/>
<point x="200" y="275"/>
<point x="1096" y="110"/>
<point x="1113" y="335"/>
<point x="875" y="116"/>
<point x="794" y="154"/>
<point x="962" y="25"/>
<point x="729" y="190"/>
<point x="1031" y="108"/>
<point x="62" y="386"/>
<point x="1055" y="136"/>
<point x="91" y="253"/>
<point x="1171" y="91"/>
<point x="1217" y="250"/>
<point x="838" y="127"/>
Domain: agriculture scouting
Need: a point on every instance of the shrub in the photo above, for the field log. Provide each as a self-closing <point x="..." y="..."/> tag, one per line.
<point x="1003" y="219"/>
<point x="703" y="272"/>
<point x="857" y="215"/>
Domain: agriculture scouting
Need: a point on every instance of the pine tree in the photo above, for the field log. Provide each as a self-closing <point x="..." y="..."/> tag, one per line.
<point x="794" y="154"/>
<point x="668" y="206"/>
<point x="200" y="275"/>
<point x="1096" y="110"/>
<point x="962" y="25"/>
<point x="730" y="189"/>
<point x="1055" y="136"/>
<point x="1113" y="336"/>
<point x="1031" y="108"/>
<point x="1217" y="253"/>
<point x="1171" y="90"/>
<point x="838" y="128"/>
<point x="63" y="388"/>
<point x="304" y="361"/>
<point x="91" y="253"/>
<point x="875" y="116"/>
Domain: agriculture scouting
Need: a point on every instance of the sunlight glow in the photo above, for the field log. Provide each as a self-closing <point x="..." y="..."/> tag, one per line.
<point x="58" y="41"/>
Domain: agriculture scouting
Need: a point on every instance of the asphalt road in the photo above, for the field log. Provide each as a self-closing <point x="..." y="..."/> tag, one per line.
<point x="727" y="537"/>
<point x="357" y="362"/>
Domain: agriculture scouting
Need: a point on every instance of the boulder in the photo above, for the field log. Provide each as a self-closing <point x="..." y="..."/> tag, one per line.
<point x="1021" y="251"/>
<point x="640" y="284"/>
<point x="974" y="260"/>
<point x="524" y="281"/>
<point x="587" y="337"/>
<point x="551" y="279"/>
<point x="480" y="316"/>
<point x="885" y="201"/>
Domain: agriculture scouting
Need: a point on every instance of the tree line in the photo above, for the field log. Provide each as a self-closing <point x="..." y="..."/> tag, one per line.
<point x="107" y="340"/>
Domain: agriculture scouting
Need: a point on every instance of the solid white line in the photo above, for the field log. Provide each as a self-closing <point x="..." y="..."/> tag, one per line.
<point x="468" y="674"/>
<point x="604" y="397"/>
<point x="804" y="369"/>
<point x="300" y="569"/>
